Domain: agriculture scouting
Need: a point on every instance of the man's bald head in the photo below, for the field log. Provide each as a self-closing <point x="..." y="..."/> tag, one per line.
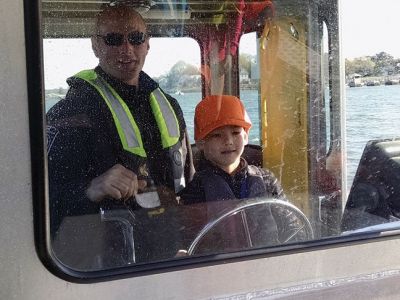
<point x="118" y="13"/>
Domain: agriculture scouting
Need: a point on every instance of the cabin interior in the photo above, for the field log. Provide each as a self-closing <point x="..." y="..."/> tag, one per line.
<point x="300" y="91"/>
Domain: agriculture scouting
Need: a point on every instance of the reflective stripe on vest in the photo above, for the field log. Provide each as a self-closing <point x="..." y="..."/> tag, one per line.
<point x="126" y="126"/>
<point x="165" y="117"/>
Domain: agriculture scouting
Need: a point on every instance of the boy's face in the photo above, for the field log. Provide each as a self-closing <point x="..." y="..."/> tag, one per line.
<point x="224" y="146"/>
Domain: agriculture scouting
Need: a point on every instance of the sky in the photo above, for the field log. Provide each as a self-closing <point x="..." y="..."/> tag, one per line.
<point x="371" y="30"/>
<point x="368" y="27"/>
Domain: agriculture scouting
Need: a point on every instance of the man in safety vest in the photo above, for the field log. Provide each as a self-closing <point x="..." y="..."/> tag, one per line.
<point x="116" y="130"/>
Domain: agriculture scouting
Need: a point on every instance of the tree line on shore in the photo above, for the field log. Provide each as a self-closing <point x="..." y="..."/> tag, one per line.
<point x="184" y="76"/>
<point x="380" y="64"/>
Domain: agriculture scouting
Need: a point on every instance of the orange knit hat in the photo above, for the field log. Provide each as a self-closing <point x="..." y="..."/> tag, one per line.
<point x="216" y="111"/>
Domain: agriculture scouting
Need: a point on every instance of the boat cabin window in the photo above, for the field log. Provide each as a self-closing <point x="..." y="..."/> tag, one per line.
<point x="121" y="82"/>
<point x="326" y="87"/>
<point x="176" y="75"/>
<point x="249" y="82"/>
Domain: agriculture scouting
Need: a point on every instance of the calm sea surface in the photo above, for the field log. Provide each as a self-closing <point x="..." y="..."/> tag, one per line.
<point x="371" y="113"/>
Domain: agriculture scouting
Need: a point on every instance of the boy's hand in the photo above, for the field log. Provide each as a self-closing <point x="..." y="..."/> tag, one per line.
<point x="181" y="253"/>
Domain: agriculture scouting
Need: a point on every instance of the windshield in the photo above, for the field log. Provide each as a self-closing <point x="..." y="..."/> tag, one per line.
<point x="199" y="128"/>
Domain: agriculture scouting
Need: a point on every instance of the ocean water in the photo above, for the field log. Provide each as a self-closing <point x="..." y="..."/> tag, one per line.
<point x="371" y="113"/>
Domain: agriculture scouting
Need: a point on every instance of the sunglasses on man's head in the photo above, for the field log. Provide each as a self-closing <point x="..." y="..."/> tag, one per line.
<point x="135" y="38"/>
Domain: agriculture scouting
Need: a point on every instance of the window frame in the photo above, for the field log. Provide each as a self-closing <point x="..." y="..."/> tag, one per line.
<point x="35" y="84"/>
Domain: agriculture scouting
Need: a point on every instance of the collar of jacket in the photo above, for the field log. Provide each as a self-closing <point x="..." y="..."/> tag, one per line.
<point x="205" y="164"/>
<point x="236" y="178"/>
<point x="146" y="84"/>
<point x="255" y="184"/>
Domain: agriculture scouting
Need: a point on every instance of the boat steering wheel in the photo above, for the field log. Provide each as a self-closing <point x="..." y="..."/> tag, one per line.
<point x="303" y="232"/>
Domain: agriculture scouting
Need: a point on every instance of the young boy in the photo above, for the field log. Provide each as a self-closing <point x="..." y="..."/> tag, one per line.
<point x="221" y="132"/>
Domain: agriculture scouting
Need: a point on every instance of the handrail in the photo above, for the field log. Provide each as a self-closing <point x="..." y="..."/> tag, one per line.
<point x="126" y="218"/>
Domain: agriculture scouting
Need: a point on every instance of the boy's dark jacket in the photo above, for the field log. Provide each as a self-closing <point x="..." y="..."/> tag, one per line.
<point x="211" y="183"/>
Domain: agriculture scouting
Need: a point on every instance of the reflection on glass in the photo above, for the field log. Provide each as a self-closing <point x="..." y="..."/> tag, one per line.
<point x="271" y="54"/>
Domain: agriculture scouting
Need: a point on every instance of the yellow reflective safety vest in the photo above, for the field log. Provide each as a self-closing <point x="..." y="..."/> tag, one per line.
<point x="128" y="130"/>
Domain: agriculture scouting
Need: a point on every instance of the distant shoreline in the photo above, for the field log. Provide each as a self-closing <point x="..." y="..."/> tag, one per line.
<point x="374" y="81"/>
<point x="198" y="89"/>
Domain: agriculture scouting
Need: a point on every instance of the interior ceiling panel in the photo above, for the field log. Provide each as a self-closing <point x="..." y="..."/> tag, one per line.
<point x="74" y="18"/>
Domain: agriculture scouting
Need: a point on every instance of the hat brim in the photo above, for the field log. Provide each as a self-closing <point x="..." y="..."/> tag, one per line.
<point x="229" y="122"/>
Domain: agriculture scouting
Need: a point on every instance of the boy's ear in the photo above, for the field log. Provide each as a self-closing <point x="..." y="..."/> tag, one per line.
<point x="200" y="145"/>
<point x="245" y="138"/>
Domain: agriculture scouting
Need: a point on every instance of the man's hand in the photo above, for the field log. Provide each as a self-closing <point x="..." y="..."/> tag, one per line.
<point x="117" y="183"/>
<point x="167" y="196"/>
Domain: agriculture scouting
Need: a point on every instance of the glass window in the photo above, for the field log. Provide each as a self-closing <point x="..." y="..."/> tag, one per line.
<point x="321" y="159"/>
<point x="371" y="129"/>
<point x="185" y="58"/>
<point x="249" y="77"/>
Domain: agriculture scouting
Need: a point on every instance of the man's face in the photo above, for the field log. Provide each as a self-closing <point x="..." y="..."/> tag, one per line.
<point x="224" y="146"/>
<point x="123" y="61"/>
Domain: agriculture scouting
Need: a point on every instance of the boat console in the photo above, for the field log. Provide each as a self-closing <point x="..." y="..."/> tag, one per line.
<point x="374" y="197"/>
